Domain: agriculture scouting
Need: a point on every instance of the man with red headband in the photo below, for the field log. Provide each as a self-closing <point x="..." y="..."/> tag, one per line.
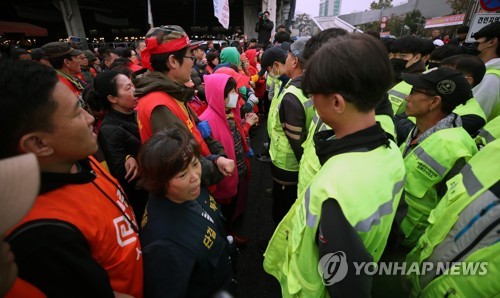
<point x="163" y="97"/>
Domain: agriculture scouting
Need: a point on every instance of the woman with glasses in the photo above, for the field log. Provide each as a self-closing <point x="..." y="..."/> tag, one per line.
<point x="437" y="147"/>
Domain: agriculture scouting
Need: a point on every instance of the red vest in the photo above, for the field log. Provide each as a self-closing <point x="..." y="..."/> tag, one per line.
<point x="69" y="84"/>
<point x="149" y="102"/>
<point x="113" y="242"/>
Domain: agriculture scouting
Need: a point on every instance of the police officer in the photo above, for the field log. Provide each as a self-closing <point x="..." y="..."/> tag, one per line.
<point x="335" y="216"/>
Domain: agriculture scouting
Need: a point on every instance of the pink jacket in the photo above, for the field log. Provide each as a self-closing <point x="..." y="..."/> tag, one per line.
<point x="216" y="116"/>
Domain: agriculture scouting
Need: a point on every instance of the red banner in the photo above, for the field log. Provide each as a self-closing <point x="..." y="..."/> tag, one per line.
<point x="452" y="20"/>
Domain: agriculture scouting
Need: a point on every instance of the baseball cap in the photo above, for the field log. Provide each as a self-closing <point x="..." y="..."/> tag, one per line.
<point x="19" y="186"/>
<point x="276" y="53"/>
<point x="58" y="49"/>
<point x="488" y="31"/>
<point x="448" y="83"/>
<point x="165" y="39"/>
<point x="298" y="46"/>
<point x="37" y="54"/>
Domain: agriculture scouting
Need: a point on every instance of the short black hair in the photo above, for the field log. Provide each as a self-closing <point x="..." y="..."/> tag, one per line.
<point x="446" y="51"/>
<point x="467" y="64"/>
<point x="230" y="85"/>
<point x="319" y="39"/>
<point x="281" y="37"/>
<point x="104" y="85"/>
<point x="427" y="47"/>
<point x="341" y="67"/>
<point x="463" y="29"/>
<point x="159" y="61"/>
<point x="407" y="44"/>
<point x="26" y="102"/>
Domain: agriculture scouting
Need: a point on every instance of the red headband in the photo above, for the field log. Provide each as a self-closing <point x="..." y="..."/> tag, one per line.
<point x="152" y="47"/>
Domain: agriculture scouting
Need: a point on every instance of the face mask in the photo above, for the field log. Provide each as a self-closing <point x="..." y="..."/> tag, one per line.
<point x="276" y="75"/>
<point x="233" y="99"/>
<point x="398" y="65"/>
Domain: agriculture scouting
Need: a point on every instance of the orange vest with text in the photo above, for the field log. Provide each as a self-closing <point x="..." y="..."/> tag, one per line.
<point x="99" y="210"/>
<point x="150" y="101"/>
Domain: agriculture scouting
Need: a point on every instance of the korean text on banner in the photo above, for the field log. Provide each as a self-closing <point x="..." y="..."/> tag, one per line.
<point x="221" y="12"/>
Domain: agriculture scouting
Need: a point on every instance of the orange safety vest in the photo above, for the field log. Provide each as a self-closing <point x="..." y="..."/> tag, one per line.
<point x="100" y="211"/>
<point x="22" y="288"/>
<point x="149" y="102"/>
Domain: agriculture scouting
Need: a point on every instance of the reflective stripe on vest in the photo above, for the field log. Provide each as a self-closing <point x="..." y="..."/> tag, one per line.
<point x="280" y="150"/>
<point x="429" y="160"/>
<point x="489" y="133"/>
<point x="397" y="97"/>
<point x="463" y="228"/>
<point x="292" y="254"/>
<point x="426" y="166"/>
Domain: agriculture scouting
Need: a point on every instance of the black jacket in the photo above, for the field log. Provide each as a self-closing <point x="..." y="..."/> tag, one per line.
<point x="119" y="137"/>
<point x="186" y="253"/>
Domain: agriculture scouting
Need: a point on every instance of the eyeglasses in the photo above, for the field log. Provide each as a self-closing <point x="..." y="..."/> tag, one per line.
<point x="413" y="91"/>
<point x="193" y="58"/>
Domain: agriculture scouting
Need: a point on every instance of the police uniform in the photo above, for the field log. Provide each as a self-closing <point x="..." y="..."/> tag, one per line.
<point x="186" y="252"/>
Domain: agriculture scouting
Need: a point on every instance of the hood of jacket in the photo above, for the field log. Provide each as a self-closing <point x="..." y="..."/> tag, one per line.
<point x="251" y="54"/>
<point x="230" y="55"/>
<point x="241" y="80"/>
<point x="157" y="81"/>
<point x="214" y="91"/>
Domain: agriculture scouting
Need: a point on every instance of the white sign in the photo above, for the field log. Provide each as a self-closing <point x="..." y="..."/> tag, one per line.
<point x="481" y="20"/>
<point x="382" y="25"/>
<point x="221" y="12"/>
<point x="384" y="19"/>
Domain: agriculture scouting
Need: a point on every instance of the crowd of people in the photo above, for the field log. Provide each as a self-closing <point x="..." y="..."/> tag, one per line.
<point x="379" y="150"/>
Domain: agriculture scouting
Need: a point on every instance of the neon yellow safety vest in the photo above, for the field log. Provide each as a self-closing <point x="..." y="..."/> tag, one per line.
<point x="281" y="152"/>
<point x="489" y="133"/>
<point x="462" y="229"/>
<point x="369" y="202"/>
<point x="309" y="163"/>
<point x="427" y="165"/>
<point x="397" y="96"/>
<point x="471" y="107"/>
<point x="495" y="111"/>
<point x="274" y="102"/>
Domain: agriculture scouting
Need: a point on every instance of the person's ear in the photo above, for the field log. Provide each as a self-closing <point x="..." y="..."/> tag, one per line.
<point x="35" y="143"/>
<point x="470" y="80"/>
<point x="172" y="62"/>
<point x="338" y="103"/>
<point x="112" y="99"/>
<point x="435" y="103"/>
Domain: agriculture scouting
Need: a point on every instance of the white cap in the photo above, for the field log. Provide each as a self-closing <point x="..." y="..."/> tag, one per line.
<point x="438" y="42"/>
<point x="19" y="186"/>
